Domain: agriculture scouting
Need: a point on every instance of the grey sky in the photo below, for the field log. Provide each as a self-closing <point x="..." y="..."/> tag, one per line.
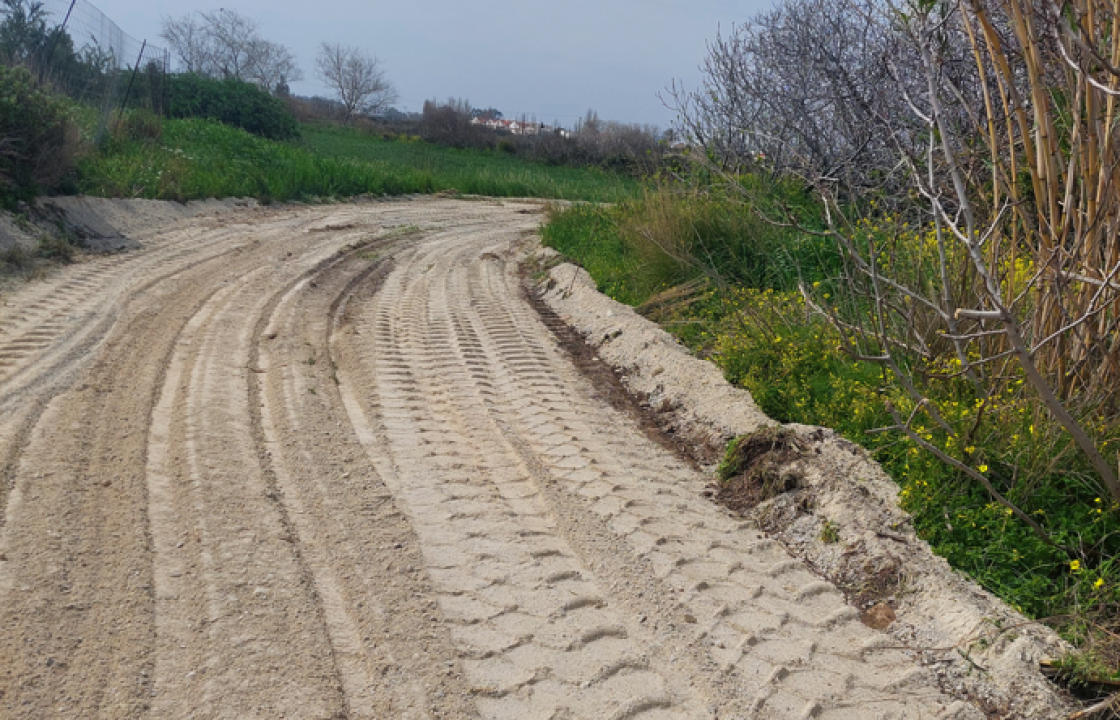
<point x="551" y="60"/>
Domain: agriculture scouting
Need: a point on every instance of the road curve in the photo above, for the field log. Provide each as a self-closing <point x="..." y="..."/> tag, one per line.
<point x="328" y="462"/>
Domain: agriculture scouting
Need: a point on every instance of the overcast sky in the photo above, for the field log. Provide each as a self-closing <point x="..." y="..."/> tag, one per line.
<point x="549" y="59"/>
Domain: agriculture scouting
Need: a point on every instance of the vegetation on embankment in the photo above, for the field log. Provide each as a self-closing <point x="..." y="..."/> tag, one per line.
<point x="38" y="137"/>
<point x="727" y="283"/>
<point x="182" y="159"/>
<point x="469" y="170"/>
<point x="53" y="144"/>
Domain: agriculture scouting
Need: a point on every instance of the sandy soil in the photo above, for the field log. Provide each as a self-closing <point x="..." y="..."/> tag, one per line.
<point x="329" y="462"/>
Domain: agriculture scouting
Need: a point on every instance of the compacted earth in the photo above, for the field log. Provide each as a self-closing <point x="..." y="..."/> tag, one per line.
<point x="330" y="462"/>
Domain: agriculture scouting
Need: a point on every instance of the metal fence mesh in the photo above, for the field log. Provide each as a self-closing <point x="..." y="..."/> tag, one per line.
<point x="87" y="56"/>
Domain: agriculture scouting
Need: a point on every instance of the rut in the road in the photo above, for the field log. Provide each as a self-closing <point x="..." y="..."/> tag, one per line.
<point x="331" y="464"/>
<point x="532" y="499"/>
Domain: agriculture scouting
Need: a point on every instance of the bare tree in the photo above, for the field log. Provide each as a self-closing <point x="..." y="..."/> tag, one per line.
<point x="356" y="76"/>
<point x="227" y="44"/>
<point x="966" y="157"/>
<point x="808" y="85"/>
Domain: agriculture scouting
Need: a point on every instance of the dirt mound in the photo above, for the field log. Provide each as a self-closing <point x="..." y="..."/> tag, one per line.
<point x="101" y="225"/>
<point x="756" y="468"/>
<point x="830" y="504"/>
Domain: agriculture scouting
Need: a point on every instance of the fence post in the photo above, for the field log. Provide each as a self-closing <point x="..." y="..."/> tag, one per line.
<point x="54" y="41"/>
<point x="132" y="77"/>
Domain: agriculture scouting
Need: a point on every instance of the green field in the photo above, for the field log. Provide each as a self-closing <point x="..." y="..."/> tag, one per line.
<point x="479" y="172"/>
<point x="184" y="159"/>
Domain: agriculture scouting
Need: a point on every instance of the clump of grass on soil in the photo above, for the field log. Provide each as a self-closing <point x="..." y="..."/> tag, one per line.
<point x="755" y="468"/>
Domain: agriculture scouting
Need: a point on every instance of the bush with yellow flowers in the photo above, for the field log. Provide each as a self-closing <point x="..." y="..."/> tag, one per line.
<point x="760" y="329"/>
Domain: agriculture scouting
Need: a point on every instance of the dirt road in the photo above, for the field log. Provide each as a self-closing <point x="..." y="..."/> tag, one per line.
<point x="329" y="463"/>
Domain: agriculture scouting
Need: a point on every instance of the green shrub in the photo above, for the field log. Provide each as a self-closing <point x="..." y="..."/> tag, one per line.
<point x="38" y="142"/>
<point x="233" y="102"/>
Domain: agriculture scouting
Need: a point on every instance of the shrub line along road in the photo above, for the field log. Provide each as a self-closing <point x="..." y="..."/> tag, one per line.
<point x="325" y="462"/>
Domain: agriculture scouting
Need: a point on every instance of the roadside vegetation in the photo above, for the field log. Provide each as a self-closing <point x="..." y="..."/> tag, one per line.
<point x="183" y="159"/>
<point x="72" y="121"/>
<point x="39" y="141"/>
<point x="730" y="289"/>
<point x="209" y="146"/>
<point x="928" y="263"/>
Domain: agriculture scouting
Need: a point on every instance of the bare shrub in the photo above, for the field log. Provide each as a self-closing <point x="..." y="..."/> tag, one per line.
<point x="449" y="123"/>
<point x="818" y="88"/>
<point x="633" y="149"/>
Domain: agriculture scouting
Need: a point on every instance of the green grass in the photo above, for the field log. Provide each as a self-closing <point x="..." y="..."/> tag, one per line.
<point x="478" y="172"/>
<point x="589" y="234"/>
<point x="196" y="158"/>
<point x="742" y="311"/>
<point x="664" y="238"/>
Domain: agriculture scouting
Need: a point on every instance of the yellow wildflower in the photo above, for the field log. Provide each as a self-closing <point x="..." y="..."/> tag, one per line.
<point x="1075" y="566"/>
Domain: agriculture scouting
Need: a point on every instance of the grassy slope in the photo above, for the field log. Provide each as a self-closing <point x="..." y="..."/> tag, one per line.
<point x="194" y="158"/>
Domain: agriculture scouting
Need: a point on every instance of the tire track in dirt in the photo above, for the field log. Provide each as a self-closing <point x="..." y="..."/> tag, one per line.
<point x="77" y="613"/>
<point x="74" y="301"/>
<point x="784" y="640"/>
<point x="535" y="636"/>
<point x="75" y="575"/>
<point x="233" y="605"/>
<point x="79" y="320"/>
<point x="389" y="644"/>
<point x="69" y="314"/>
<point x="330" y="464"/>
<point x="487" y="422"/>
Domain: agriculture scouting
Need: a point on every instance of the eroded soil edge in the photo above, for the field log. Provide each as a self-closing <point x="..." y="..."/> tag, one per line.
<point x="835" y="508"/>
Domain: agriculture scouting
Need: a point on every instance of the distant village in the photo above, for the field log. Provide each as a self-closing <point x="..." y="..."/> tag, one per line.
<point x="516" y="127"/>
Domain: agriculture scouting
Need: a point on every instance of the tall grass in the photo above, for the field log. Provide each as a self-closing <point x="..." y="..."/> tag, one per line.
<point x="196" y="158"/>
<point x="671" y="236"/>
<point x="469" y="170"/>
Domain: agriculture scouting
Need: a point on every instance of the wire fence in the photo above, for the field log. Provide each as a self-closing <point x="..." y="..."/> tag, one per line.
<point x="80" y="51"/>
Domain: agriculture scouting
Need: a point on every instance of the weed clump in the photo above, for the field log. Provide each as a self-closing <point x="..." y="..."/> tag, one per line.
<point x="55" y="246"/>
<point x="14" y="259"/>
<point x="755" y="468"/>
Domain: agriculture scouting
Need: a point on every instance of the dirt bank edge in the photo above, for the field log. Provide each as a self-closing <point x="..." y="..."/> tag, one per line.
<point x="101" y="224"/>
<point x="981" y="649"/>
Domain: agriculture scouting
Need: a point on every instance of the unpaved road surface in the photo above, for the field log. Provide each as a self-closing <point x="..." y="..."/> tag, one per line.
<point x="330" y="463"/>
